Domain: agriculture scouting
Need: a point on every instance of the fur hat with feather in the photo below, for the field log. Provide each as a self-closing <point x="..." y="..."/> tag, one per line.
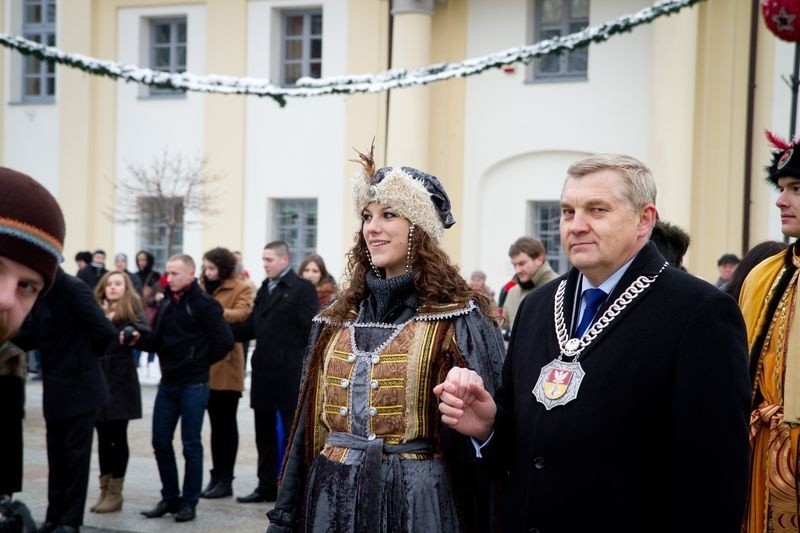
<point x="417" y="196"/>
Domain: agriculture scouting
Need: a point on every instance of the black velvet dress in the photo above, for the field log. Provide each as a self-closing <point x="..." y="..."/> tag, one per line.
<point x="374" y="456"/>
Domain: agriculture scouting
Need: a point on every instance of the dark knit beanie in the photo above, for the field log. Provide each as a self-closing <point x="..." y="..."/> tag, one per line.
<point x="31" y="224"/>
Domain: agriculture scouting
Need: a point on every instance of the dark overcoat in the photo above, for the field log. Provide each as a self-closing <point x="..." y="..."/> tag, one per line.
<point x="72" y="332"/>
<point x="125" y="392"/>
<point x="657" y="438"/>
<point x="280" y="323"/>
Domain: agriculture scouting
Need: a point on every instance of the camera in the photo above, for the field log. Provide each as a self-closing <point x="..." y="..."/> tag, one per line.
<point x="127" y="334"/>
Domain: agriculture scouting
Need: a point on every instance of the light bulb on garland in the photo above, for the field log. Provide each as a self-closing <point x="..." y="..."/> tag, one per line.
<point x="782" y="17"/>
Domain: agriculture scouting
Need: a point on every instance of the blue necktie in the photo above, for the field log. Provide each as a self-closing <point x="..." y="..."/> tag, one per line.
<point x="594" y="299"/>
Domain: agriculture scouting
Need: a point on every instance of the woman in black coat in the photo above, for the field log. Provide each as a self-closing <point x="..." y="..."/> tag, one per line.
<point x="120" y="302"/>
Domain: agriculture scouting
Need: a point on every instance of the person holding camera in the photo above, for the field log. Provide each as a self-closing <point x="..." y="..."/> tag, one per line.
<point x="189" y="334"/>
<point x="117" y="296"/>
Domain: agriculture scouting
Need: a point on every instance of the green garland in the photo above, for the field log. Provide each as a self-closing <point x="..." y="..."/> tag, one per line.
<point x="367" y="83"/>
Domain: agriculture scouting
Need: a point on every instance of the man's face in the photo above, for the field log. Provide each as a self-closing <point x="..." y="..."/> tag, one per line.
<point x="726" y="271"/>
<point x="525" y="266"/>
<point x="179" y="275"/>
<point x="99" y="258"/>
<point x="600" y="231"/>
<point x="274" y="264"/>
<point x="19" y="288"/>
<point x="121" y="264"/>
<point x="788" y="203"/>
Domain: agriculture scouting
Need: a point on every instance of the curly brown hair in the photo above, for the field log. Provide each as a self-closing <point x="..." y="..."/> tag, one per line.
<point x="436" y="279"/>
<point x="224" y="260"/>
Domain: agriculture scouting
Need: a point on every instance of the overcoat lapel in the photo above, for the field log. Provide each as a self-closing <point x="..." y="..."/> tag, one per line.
<point x="648" y="262"/>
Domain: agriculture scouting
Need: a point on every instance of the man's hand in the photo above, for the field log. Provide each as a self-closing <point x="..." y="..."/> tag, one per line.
<point x="128" y="336"/>
<point x="465" y="404"/>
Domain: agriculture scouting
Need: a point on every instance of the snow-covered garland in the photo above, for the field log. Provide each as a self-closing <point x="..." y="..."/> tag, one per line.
<point x="366" y="83"/>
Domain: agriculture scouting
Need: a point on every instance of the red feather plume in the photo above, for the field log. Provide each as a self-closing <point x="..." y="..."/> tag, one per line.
<point x="779" y="142"/>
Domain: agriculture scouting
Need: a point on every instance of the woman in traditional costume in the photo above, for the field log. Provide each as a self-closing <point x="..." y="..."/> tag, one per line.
<point x="368" y="451"/>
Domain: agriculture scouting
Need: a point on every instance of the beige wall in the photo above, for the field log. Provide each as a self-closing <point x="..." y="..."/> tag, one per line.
<point x="719" y="133"/>
<point x="225" y="121"/>
<point x="366" y="113"/>
<point x="447" y="114"/>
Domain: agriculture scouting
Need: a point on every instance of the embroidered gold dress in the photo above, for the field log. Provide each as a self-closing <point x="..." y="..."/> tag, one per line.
<point x="377" y="457"/>
<point x="772" y="504"/>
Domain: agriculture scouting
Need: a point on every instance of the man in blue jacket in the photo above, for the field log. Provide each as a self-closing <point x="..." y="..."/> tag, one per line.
<point x="189" y="335"/>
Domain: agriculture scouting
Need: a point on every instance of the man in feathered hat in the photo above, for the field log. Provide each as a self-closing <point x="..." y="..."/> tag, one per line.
<point x="768" y="304"/>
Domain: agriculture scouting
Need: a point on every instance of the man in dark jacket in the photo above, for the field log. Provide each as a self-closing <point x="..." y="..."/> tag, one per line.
<point x="625" y="396"/>
<point x="280" y="323"/>
<point x="31" y="247"/>
<point x="189" y="335"/>
<point x="92" y="273"/>
<point x="72" y="333"/>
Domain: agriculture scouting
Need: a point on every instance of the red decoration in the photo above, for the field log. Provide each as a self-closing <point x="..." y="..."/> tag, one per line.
<point x="782" y="18"/>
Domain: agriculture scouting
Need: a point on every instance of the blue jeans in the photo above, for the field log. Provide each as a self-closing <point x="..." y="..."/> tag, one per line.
<point x="187" y="402"/>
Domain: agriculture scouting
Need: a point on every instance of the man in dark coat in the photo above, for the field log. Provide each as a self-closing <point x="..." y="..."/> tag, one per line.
<point x="94" y="271"/>
<point x="72" y="333"/>
<point x="31" y="247"/>
<point x="280" y="323"/>
<point x="625" y="396"/>
<point x="189" y="335"/>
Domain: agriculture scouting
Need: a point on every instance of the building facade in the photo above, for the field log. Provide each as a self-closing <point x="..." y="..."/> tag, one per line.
<point x="674" y="93"/>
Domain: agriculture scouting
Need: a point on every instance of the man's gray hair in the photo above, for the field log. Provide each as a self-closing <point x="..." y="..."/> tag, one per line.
<point x="638" y="185"/>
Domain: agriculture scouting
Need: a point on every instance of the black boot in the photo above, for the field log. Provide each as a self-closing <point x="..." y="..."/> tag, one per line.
<point x="211" y="483"/>
<point x="222" y="489"/>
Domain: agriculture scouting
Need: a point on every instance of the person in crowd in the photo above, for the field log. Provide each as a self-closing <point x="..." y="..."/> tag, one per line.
<point x="190" y="335"/>
<point x="672" y="242"/>
<point x="82" y="260"/>
<point x="477" y="281"/>
<point x="121" y="264"/>
<point x="149" y="280"/>
<point x="240" y="269"/>
<point x="768" y="300"/>
<point x="97" y="269"/>
<point x="533" y="270"/>
<point x="31" y="247"/>
<point x="72" y="333"/>
<point x="367" y="452"/>
<point x="226" y="377"/>
<point x="726" y="265"/>
<point x="625" y="396"/>
<point x="754" y="256"/>
<point x="501" y="298"/>
<point x="313" y="269"/>
<point x="121" y="304"/>
<point x="280" y="323"/>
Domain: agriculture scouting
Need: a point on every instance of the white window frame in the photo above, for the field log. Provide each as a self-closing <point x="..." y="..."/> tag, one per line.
<point x="173" y="46"/>
<point x="310" y="66"/>
<point x="567" y="25"/>
<point x="544" y="218"/>
<point x="296" y="221"/>
<point x="42" y="31"/>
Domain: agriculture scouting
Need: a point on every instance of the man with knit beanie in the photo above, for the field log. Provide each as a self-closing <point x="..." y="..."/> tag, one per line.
<point x="31" y="243"/>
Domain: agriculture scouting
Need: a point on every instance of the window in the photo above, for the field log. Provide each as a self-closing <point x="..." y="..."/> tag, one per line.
<point x="295" y="222"/>
<point x="161" y="227"/>
<point x="39" y="25"/>
<point x="167" y="49"/>
<point x="544" y="226"/>
<point x="554" y="18"/>
<point x="301" y="45"/>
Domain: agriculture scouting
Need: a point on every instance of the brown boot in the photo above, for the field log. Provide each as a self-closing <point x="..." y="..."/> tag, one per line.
<point x="103" y="491"/>
<point x="113" y="501"/>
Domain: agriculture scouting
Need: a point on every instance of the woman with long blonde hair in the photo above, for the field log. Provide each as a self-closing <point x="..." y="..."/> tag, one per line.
<point x="120" y="302"/>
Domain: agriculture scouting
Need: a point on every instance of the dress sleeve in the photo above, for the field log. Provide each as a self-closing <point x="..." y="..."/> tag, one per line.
<point x="481" y="343"/>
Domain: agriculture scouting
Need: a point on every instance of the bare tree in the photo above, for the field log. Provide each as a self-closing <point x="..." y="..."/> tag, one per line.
<point x="165" y="190"/>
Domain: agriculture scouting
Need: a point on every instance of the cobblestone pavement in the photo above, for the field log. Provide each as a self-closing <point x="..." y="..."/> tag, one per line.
<point x="142" y="483"/>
